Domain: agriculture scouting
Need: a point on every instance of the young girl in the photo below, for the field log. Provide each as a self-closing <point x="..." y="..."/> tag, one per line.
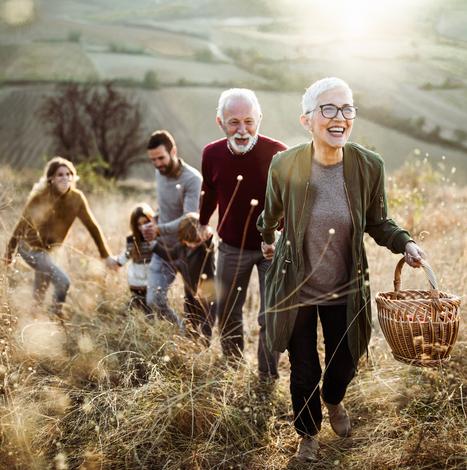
<point x="138" y="251"/>
<point x="52" y="206"/>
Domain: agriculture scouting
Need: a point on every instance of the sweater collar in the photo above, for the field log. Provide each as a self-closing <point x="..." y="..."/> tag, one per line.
<point x="55" y="195"/>
<point x="305" y="152"/>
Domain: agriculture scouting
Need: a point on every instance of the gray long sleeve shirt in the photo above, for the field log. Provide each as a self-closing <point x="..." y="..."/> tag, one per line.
<point x="176" y="196"/>
<point x="328" y="238"/>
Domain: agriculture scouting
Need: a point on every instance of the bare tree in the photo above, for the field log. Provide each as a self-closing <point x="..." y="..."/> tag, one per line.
<point x="96" y="122"/>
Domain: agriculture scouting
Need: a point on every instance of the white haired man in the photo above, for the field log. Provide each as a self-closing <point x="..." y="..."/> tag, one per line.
<point x="234" y="173"/>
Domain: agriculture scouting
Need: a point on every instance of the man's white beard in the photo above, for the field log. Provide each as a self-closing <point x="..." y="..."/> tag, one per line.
<point x="241" y="148"/>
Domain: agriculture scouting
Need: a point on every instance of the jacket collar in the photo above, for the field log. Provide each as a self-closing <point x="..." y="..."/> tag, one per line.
<point x="305" y="154"/>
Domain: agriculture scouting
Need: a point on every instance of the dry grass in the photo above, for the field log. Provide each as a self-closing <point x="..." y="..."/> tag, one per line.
<point x="107" y="390"/>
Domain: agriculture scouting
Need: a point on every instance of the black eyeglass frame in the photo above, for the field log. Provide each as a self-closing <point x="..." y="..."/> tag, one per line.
<point x="338" y="108"/>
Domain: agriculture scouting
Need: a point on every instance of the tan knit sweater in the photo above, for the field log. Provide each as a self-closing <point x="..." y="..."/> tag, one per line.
<point x="47" y="218"/>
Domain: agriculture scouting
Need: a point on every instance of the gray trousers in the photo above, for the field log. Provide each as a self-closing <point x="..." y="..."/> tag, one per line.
<point x="161" y="276"/>
<point x="46" y="272"/>
<point x="233" y="272"/>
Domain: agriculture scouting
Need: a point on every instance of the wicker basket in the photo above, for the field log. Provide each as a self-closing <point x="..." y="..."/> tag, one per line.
<point x="420" y="326"/>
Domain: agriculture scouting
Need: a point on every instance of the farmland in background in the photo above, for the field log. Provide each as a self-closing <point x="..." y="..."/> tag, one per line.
<point x="409" y="79"/>
<point x="189" y="112"/>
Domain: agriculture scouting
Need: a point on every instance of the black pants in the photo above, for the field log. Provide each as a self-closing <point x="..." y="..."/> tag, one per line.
<point x="305" y="369"/>
<point x="200" y="312"/>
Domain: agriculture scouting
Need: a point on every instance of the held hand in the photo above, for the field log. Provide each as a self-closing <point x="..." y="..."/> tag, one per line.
<point x="268" y="250"/>
<point x="413" y="255"/>
<point x="150" y="231"/>
<point x="8" y="259"/>
<point x="205" y="231"/>
<point x="112" y="263"/>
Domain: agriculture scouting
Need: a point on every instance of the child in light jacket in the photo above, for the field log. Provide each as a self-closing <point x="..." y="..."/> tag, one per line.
<point x="138" y="253"/>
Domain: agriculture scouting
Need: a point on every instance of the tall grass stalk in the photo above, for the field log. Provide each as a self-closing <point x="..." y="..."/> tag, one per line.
<point x="105" y="389"/>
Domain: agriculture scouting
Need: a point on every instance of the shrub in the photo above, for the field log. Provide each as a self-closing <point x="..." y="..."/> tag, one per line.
<point x="204" y="55"/>
<point x="74" y="36"/>
<point x="151" y="80"/>
<point x="88" y="120"/>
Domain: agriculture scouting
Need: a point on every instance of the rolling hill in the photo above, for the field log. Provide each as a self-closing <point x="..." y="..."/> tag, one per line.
<point x="408" y="78"/>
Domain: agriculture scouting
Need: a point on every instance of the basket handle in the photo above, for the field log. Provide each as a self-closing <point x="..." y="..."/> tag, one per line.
<point x="426" y="267"/>
<point x="434" y="292"/>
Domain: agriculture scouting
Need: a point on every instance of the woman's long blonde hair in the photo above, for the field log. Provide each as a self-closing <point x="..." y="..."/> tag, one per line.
<point x="49" y="171"/>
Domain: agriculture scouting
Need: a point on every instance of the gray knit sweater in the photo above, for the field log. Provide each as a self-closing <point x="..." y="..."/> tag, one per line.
<point x="176" y="196"/>
<point x="328" y="238"/>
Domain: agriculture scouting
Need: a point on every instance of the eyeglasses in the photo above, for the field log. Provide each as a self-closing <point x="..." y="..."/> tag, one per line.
<point x="330" y="111"/>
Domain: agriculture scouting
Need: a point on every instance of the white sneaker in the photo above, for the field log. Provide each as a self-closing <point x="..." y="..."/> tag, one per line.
<point x="307" y="449"/>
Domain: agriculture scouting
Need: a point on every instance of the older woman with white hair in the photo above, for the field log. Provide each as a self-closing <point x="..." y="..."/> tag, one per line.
<point x="328" y="192"/>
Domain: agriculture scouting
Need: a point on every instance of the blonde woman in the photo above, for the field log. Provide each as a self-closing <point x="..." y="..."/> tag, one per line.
<point x="51" y="208"/>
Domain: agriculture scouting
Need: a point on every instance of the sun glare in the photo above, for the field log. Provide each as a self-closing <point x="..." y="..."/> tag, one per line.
<point x="17" y="12"/>
<point x="359" y="18"/>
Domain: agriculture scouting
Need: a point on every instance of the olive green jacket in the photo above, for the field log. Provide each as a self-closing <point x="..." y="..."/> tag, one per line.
<point x="288" y="199"/>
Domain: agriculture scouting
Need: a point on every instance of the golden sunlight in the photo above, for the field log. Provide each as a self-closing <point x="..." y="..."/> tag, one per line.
<point x="359" y="18"/>
<point x="17" y="12"/>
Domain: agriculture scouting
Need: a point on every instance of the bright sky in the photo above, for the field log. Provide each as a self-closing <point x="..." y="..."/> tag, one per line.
<point x="355" y="18"/>
<point x="16" y="12"/>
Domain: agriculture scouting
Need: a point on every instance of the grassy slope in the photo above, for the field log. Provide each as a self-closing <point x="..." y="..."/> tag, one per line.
<point x="107" y="390"/>
<point x="169" y="70"/>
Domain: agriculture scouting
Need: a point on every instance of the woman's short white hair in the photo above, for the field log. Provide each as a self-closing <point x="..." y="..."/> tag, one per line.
<point x="245" y="93"/>
<point x="312" y="93"/>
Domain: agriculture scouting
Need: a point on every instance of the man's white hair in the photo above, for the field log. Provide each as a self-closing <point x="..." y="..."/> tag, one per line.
<point x="232" y="93"/>
<point x="312" y="93"/>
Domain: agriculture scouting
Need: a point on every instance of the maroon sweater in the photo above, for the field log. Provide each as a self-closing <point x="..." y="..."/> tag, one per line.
<point x="220" y="169"/>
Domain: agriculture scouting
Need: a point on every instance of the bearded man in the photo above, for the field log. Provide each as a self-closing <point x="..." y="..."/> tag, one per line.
<point x="234" y="171"/>
<point x="178" y="188"/>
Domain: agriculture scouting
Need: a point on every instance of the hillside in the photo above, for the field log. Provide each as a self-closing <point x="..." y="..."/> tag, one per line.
<point x="189" y="113"/>
<point x="408" y="76"/>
